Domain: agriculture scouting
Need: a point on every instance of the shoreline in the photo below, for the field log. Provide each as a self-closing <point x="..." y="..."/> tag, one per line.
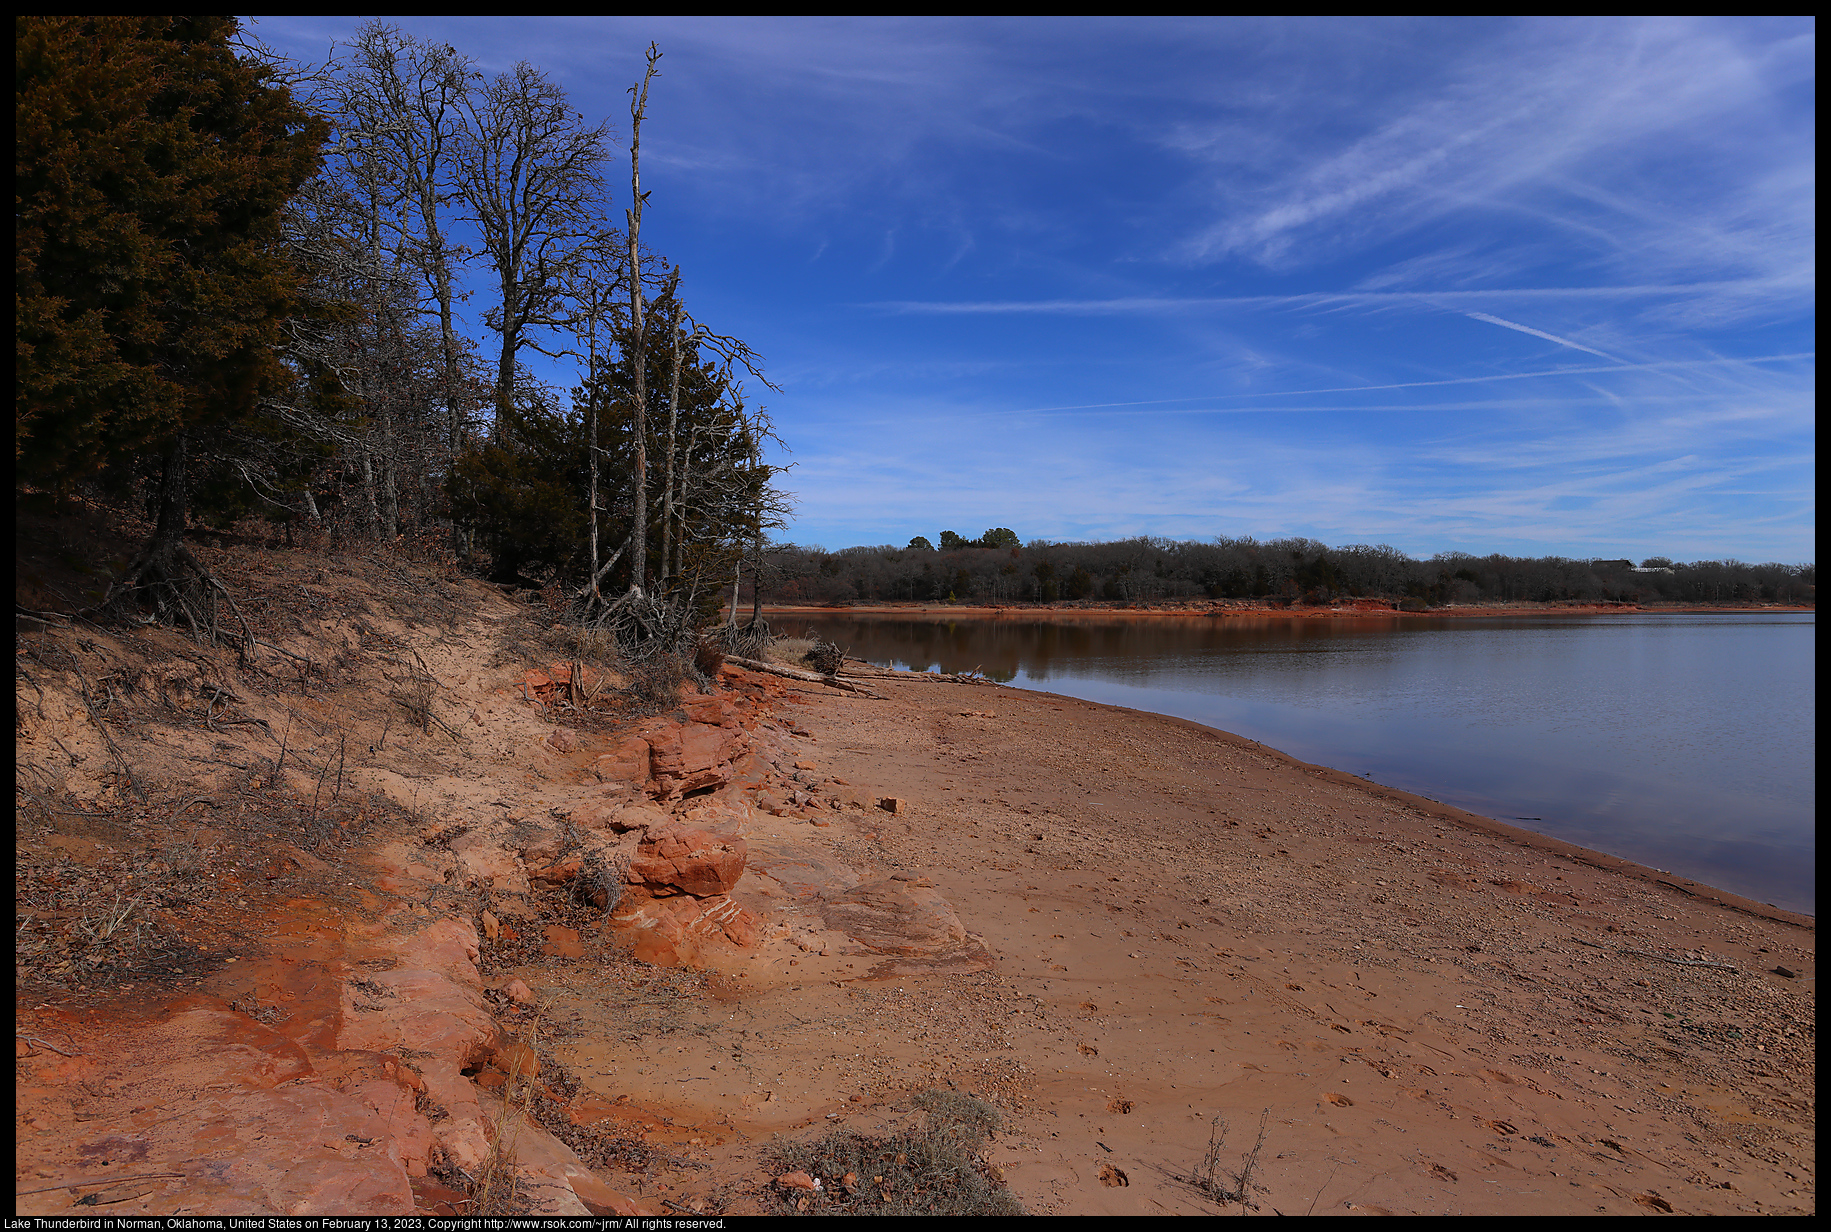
<point x="1238" y="933"/>
<point x="1479" y="822"/>
<point x="1356" y="610"/>
<point x="1686" y="884"/>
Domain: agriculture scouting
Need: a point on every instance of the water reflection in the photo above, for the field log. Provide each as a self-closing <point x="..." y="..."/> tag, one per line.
<point x="1681" y="741"/>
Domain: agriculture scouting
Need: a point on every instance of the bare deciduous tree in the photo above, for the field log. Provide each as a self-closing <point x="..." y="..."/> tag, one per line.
<point x="592" y="286"/>
<point x="529" y="167"/>
<point x="413" y="91"/>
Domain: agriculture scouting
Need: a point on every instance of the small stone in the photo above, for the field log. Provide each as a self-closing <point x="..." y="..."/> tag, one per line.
<point x="492" y="927"/>
<point x="518" y="992"/>
<point x="894" y="805"/>
<point x="562" y="942"/>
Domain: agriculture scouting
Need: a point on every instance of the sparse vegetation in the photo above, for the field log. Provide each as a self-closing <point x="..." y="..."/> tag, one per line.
<point x="792" y="650"/>
<point x="933" y="1169"/>
<point x="1220" y="1184"/>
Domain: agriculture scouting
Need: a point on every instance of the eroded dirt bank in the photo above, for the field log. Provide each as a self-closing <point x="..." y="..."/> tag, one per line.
<point x="290" y="927"/>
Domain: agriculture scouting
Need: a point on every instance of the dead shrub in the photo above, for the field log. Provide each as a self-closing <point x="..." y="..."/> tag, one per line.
<point x="708" y="657"/>
<point x="1228" y="1186"/>
<point x="791" y="650"/>
<point x="932" y="1170"/>
<point x="656" y="680"/>
<point x="825" y="658"/>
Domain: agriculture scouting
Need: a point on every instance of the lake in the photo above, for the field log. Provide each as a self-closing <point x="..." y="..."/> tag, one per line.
<point x="1681" y="741"/>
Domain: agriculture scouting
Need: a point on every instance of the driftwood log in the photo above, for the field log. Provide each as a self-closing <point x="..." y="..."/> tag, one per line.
<point x="795" y="673"/>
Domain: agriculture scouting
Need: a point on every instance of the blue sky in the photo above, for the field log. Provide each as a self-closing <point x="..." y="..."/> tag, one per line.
<point x="1480" y="285"/>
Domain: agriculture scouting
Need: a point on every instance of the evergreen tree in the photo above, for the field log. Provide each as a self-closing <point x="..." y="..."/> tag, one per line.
<point x="520" y="491"/>
<point x="152" y="164"/>
<point x="151" y="167"/>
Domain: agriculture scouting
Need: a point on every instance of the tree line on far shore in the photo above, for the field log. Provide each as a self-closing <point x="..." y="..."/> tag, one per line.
<point x="1278" y="571"/>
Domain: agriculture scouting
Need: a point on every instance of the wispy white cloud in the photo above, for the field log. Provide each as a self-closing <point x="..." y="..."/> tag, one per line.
<point x="1796" y="281"/>
<point x="1532" y="101"/>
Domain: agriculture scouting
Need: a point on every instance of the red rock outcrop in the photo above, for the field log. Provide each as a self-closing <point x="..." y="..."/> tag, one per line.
<point x="895" y="917"/>
<point x="715" y="711"/>
<point x="687" y="757"/>
<point x="687" y="859"/>
<point x="626" y="761"/>
<point x="669" y="931"/>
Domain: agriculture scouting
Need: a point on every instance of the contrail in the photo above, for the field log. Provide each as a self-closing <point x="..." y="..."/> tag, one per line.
<point x="1539" y="333"/>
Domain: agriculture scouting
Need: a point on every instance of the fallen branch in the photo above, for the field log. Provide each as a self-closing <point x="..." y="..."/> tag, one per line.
<point x="282" y="650"/>
<point x="180" y="810"/>
<point x="43" y="619"/>
<point x="972" y="677"/>
<point x="33" y="1039"/>
<point x="776" y="669"/>
<point x="1677" y="962"/>
<point x="113" y="1180"/>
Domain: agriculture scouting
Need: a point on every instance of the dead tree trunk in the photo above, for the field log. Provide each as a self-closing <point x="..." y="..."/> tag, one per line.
<point x="639" y="343"/>
<point x="669" y="566"/>
<point x="756" y="571"/>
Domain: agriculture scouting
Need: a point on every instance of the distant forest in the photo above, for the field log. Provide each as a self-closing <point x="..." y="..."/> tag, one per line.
<point x="997" y="569"/>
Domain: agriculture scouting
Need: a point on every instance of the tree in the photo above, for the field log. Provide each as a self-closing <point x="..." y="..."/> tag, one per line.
<point x="1000" y="537"/>
<point x="408" y="94"/>
<point x="920" y="543"/>
<point x="528" y="167"/>
<point x="520" y="490"/>
<point x="951" y="542"/>
<point x="592" y="284"/>
<point x="152" y="165"/>
<point x="638" y="322"/>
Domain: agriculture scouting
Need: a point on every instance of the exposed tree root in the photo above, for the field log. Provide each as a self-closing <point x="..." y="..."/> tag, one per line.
<point x="167" y="584"/>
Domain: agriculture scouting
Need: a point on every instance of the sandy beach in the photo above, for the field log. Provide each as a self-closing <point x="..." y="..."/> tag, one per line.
<point x="1167" y="955"/>
<point x="1434" y="1012"/>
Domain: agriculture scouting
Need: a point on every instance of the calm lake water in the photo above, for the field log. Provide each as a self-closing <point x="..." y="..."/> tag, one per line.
<point x="1680" y="741"/>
